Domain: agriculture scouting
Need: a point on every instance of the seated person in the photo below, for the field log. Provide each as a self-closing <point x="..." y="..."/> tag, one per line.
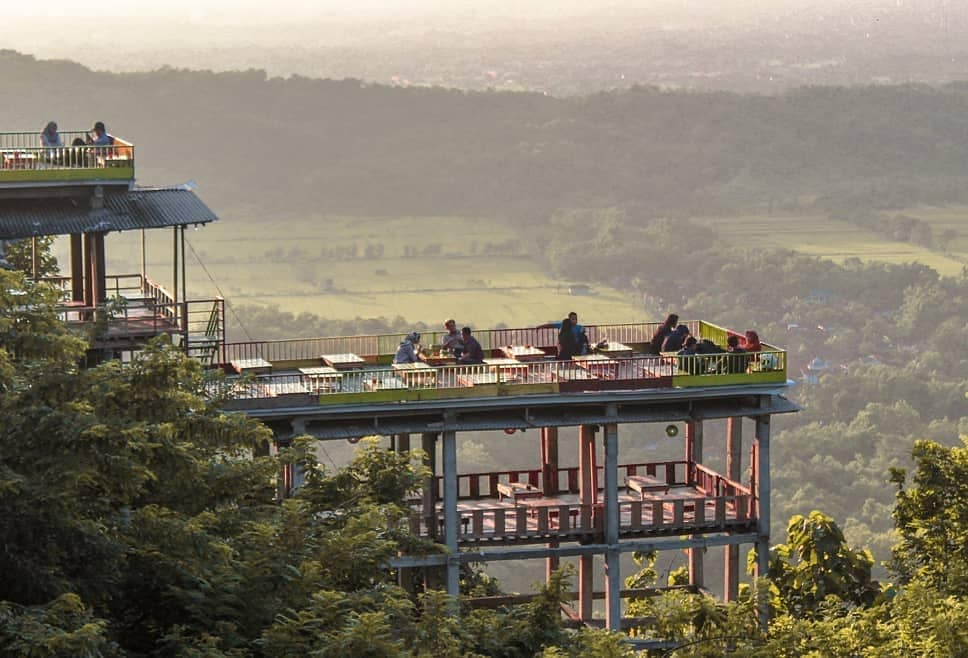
<point x="452" y="342"/>
<point x="473" y="352"/>
<point x="50" y="137"/>
<point x="737" y="359"/>
<point x="710" y="364"/>
<point x="581" y="338"/>
<point x="690" y="366"/>
<point x="101" y="136"/>
<point x="409" y="349"/>
<point x="753" y="342"/>
<point x="655" y="345"/>
<point x="676" y="339"/>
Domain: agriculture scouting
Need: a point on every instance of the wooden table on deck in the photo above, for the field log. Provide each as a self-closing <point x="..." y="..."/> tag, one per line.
<point x="14" y="159"/>
<point x="645" y="484"/>
<point x="345" y="361"/>
<point x="523" y="352"/>
<point x="616" y="350"/>
<point x="385" y="382"/>
<point x="323" y="379"/>
<point x="508" y="368"/>
<point x="517" y="491"/>
<point x="598" y="364"/>
<point x="568" y="372"/>
<point x="257" y="366"/>
<point x="440" y="360"/>
<point x="415" y="374"/>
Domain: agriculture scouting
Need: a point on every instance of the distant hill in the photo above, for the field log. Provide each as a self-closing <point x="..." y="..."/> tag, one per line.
<point x="296" y="145"/>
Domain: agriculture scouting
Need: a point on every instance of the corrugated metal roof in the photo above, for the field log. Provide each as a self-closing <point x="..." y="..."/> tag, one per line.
<point x="135" y="209"/>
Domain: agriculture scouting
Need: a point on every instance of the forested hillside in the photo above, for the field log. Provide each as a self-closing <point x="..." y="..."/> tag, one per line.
<point x="298" y="144"/>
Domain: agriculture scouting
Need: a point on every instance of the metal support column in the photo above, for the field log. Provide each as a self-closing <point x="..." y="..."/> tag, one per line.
<point x="587" y="496"/>
<point x="763" y="508"/>
<point x="451" y="517"/>
<point x="734" y="452"/>
<point x="694" y="455"/>
<point x="613" y="573"/>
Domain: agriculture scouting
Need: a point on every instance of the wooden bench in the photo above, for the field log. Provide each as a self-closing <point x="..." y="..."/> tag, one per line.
<point x="645" y="484"/>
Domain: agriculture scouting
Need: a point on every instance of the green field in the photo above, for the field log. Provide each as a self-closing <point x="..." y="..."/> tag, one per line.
<point x="307" y="266"/>
<point x="838" y="240"/>
<point x="479" y="271"/>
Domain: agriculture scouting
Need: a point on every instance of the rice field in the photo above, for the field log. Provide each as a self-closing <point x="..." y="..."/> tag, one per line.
<point x="838" y="240"/>
<point x="421" y="268"/>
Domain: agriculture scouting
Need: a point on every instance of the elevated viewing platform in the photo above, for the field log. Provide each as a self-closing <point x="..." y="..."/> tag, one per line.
<point x="518" y="362"/>
<point x="25" y="163"/>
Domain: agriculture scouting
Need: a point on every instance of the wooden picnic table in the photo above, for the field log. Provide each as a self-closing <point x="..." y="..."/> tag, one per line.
<point x="645" y="484"/>
<point x="257" y="366"/>
<point x="616" y="350"/>
<point x="598" y="364"/>
<point x="344" y="361"/>
<point x="415" y="374"/>
<point x="323" y="379"/>
<point x="523" y="352"/>
<point x="517" y="491"/>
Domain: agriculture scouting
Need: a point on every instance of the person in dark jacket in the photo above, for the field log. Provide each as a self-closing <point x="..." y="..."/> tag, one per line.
<point x="737" y="359"/>
<point x="473" y="352"/>
<point x="675" y="340"/>
<point x="655" y="345"/>
<point x="567" y="343"/>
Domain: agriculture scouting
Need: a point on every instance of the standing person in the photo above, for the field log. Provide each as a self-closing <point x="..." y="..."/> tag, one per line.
<point x="581" y="338"/>
<point x="452" y="342"/>
<point x="409" y="349"/>
<point x="655" y="345"/>
<point x="101" y="136"/>
<point x="567" y="342"/>
<point x="473" y="352"/>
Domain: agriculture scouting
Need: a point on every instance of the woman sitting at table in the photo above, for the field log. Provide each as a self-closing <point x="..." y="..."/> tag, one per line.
<point x="409" y="349"/>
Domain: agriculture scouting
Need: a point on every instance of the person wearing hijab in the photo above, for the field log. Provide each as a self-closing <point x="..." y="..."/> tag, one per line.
<point x="409" y="349"/>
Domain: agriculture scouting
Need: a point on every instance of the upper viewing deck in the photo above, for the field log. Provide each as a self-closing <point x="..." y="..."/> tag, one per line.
<point x="26" y="163"/>
<point x="359" y="369"/>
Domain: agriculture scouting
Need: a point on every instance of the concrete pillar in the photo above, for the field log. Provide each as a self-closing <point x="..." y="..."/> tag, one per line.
<point x="451" y="516"/>
<point x="587" y="496"/>
<point x="763" y="498"/>
<point x="613" y="573"/>
<point x="89" y="270"/>
<point x="734" y="450"/>
<point x="429" y="444"/>
<point x="694" y="455"/>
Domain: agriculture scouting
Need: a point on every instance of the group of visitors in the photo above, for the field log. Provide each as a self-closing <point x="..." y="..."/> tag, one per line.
<point x="51" y="139"/>
<point x="462" y="345"/>
<point x="573" y="341"/>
